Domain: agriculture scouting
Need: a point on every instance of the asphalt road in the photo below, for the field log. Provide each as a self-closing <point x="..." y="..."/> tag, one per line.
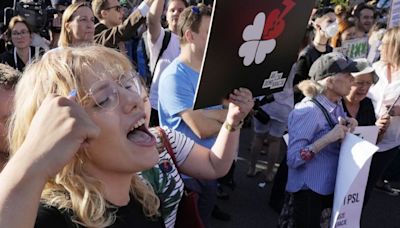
<point x="248" y="203"/>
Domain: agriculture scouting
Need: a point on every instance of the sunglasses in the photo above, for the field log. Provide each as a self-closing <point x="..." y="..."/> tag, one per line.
<point x="117" y="8"/>
<point x="194" y="11"/>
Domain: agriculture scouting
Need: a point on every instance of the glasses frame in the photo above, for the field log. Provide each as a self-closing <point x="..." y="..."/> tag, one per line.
<point x="21" y="33"/>
<point x="118" y="8"/>
<point x="117" y="84"/>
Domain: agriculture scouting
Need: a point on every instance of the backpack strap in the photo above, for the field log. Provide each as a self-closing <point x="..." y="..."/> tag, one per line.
<point x="165" y="42"/>
<point x="326" y="114"/>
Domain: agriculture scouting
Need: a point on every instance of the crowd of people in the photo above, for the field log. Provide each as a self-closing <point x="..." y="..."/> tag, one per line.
<point x="80" y="108"/>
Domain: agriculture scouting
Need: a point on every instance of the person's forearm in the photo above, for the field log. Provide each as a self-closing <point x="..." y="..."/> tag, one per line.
<point x="206" y="128"/>
<point x="20" y="193"/>
<point x="202" y="125"/>
<point x="218" y="114"/>
<point x="321" y="143"/>
<point x="154" y="20"/>
<point x="224" y="149"/>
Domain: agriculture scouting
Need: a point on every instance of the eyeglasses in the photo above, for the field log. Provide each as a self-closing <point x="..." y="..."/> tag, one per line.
<point x="117" y="8"/>
<point x="105" y="93"/>
<point x="194" y="11"/>
<point x="21" y="33"/>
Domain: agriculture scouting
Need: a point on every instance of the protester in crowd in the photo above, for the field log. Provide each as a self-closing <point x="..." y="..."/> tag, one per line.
<point x="177" y="89"/>
<point x="111" y="31"/>
<point x="156" y="36"/>
<point x="8" y="79"/>
<point x="365" y="18"/>
<point x="23" y="53"/>
<point x="359" y="106"/>
<point x="383" y="96"/>
<point x="325" y="27"/>
<point x="315" y="127"/>
<point x="341" y="12"/>
<point x="375" y="40"/>
<point x="270" y="123"/>
<point x="77" y="26"/>
<point x="270" y="130"/>
<point x="356" y="104"/>
<point x="84" y="150"/>
<point x="347" y="31"/>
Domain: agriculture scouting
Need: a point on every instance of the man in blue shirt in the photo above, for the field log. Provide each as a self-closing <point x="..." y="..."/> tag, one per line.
<point x="177" y="88"/>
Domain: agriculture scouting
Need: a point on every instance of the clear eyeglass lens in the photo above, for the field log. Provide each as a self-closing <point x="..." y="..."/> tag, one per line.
<point x="131" y="83"/>
<point x="105" y="94"/>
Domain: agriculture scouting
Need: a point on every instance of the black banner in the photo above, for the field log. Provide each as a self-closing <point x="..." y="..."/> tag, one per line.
<point x="251" y="44"/>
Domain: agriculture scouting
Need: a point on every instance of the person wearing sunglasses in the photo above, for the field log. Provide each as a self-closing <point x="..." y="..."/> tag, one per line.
<point x="111" y="31"/>
<point x="23" y="53"/>
<point x="78" y="139"/>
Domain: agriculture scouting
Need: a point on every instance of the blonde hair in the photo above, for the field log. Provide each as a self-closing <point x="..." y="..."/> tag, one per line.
<point x="98" y="6"/>
<point x="392" y="47"/>
<point x="58" y="72"/>
<point x="17" y="19"/>
<point x="311" y="88"/>
<point x="65" y="39"/>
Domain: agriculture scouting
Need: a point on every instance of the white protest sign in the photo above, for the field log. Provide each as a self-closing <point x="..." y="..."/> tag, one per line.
<point x="351" y="180"/>
<point x="355" y="48"/>
<point x="369" y="133"/>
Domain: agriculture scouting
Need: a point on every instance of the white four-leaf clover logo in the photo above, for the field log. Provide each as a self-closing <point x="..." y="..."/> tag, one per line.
<point x="260" y="37"/>
<point x="254" y="48"/>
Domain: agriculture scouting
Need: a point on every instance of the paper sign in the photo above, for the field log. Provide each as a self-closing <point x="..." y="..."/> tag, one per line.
<point x="355" y="48"/>
<point x="369" y="133"/>
<point x="351" y="180"/>
<point x="251" y="44"/>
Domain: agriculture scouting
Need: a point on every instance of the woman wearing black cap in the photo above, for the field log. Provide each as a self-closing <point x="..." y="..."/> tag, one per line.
<point x="315" y="127"/>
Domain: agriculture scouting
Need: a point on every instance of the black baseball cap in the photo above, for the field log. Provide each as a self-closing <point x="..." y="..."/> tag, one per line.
<point x="331" y="64"/>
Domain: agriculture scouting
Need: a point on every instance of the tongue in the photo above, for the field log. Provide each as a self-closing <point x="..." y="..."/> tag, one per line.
<point x="141" y="138"/>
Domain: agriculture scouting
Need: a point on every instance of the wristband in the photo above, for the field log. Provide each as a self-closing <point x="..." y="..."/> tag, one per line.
<point x="306" y="154"/>
<point x="232" y="128"/>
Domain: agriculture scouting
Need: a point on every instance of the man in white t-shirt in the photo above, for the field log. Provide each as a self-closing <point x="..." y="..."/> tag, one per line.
<point x="155" y="37"/>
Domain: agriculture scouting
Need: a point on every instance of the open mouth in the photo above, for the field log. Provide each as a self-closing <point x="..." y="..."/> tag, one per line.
<point x="140" y="135"/>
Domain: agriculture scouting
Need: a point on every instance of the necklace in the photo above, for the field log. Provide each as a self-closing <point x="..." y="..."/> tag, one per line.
<point x="16" y="59"/>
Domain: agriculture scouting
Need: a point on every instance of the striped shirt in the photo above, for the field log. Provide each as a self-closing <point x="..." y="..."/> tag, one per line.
<point x="307" y="124"/>
<point x="164" y="177"/>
